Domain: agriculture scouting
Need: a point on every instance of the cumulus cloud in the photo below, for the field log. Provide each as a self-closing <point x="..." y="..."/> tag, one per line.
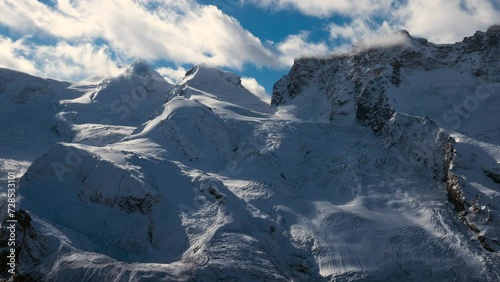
<point x="253" y="86"/>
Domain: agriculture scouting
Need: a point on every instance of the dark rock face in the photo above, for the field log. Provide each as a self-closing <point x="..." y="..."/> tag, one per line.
<point x="299" y="77"/>
<point x="372" y="108"/>
<point x="455" y="195"/>
<point x="486" y="46"/>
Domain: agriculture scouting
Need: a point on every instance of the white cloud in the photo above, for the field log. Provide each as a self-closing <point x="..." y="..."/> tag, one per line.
<point x="172" y="75"/>
<point x="60" y="61"/>
<point x="11" y="56"/>
<point x="354" y="31"/>
<point x="445" y="21"/>
<point x="253" y="86"/>
<point x="181" y="31"/>
<point x="364" y="34"/>
<point x="74" y="62"/>
<point x="298" y="45"/>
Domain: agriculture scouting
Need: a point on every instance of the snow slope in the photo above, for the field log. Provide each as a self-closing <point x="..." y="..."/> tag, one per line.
<point x="41" y="112"/>
<point x="27" y="105"/>
<point x="355" y="173"/>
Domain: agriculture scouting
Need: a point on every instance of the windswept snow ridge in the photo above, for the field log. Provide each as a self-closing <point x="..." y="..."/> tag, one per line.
<point x="380" y="165"/>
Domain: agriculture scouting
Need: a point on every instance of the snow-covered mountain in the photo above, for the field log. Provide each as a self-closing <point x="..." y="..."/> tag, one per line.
<point x="378" y="165"/>
<point x="422" y="99"/>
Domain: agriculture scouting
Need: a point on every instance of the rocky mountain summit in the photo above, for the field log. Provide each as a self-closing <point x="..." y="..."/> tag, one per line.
<point x="377" y="165"/>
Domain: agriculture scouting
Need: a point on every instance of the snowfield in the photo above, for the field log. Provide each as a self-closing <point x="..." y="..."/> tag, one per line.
<point x="380" y="165"/>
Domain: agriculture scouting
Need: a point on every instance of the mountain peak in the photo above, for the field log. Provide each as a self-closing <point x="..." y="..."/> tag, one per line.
<point x="404" y="33"/>
<point x="201" y="70"/>
<point x="199" y="76"/>
<point x="142" y="73"/>
<point x="221" y="85"/>
<point x="193" y="70"/>
<point x="140" y="68"/>
<point x="494" y="29"/>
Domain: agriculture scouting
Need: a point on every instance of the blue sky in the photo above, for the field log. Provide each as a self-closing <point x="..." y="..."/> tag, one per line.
<point x="256" y="39"/>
